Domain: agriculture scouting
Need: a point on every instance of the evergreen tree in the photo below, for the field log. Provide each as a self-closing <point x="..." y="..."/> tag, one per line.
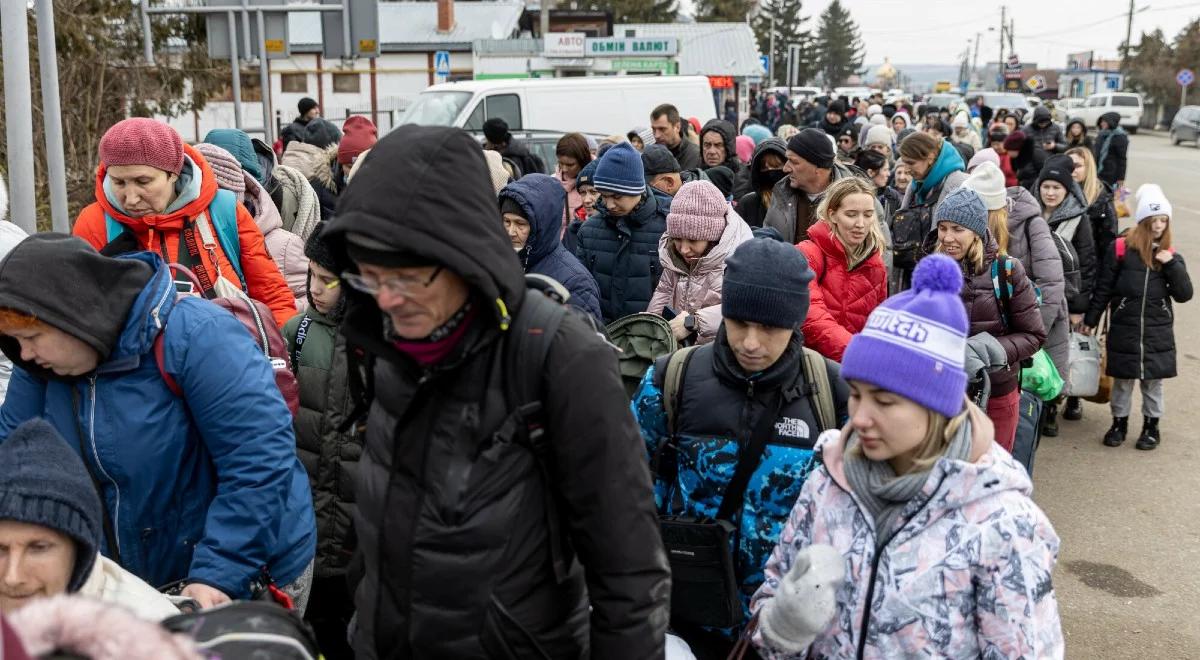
<point x="722" y="11"/>
<point x="840" y="48"/>
<point x="636" y="11"/>
<point x="789" y="30"/>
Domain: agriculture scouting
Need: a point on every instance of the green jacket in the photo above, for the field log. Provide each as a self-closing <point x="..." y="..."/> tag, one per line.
<point x="330" y="457"/>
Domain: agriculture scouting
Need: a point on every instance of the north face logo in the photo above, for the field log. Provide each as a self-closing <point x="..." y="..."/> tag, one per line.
<point x="792" y="428"/>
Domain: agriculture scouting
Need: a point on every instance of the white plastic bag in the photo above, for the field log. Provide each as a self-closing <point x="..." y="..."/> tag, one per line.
<point x="1084" y="363"/>
<point x="677" y="649"/>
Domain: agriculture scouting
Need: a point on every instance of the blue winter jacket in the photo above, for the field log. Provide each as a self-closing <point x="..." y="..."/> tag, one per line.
<point x="542" y="199"/>
<point x="210" y="490"/>
<point x="621" y="252"/>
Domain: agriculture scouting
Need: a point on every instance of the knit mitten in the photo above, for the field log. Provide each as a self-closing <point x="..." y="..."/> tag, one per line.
<point x="805" y="601"/>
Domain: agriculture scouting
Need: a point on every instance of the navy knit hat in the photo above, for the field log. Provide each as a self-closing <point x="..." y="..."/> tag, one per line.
<point x="766" y="281"/>
<point x="964" y="207"/>
<point x="915" y="343"/>
<point x="44" y="483"/>
<point x="321" y="133"/>
<point x="587" y="175"/>
<point x="620" y="171"/>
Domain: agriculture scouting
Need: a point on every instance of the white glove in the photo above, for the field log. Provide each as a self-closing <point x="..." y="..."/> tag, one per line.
<point x="806" y="600"/>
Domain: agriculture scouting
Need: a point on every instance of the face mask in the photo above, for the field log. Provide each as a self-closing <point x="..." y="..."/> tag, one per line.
<point x="771" y="177"/>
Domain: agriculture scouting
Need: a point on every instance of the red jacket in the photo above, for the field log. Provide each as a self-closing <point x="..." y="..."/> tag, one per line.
<point x="840" y="297"/>
<point x="161" y="232"/>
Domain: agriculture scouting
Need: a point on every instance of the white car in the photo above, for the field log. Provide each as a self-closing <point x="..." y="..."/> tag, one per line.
<point x="1127" y="104"/>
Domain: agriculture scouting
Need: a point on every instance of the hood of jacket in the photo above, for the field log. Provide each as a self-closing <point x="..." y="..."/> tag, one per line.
<point x="769" y="146"/>
<point x="736" y="232"/>
<point x="446" y="212"/>
<point x="266" y="216"/>
<point x="729" y="136"/>
<point x="948" y="160"/>
<point x="951" y="484"/>
<point x="1074" y="203"/>
<point x="1082" y="125"/>
<point x="1041" y="117"/>
<point x="541" y="198"/>
<point x="312" y="161"/>
<point x="1022" y="205"/>
<point x="196" y="188"/>
<point x="1113" y="119"/>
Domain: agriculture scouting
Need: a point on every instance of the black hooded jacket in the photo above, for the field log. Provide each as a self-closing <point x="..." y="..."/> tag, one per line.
<point x="1111" y="150"/>
<point x="741" y="175"/>
<point x="452" y="511"/>
<point x="751" y="206"/>
<point x="1042" y="130"/>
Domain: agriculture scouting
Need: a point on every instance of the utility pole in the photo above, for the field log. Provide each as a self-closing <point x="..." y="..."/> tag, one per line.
<point x="771" y="64"/>
<point x="1128" y="36"/>
<point x="18" y="106"/>
<point x="56" y="173"/>
<point x="1011" y="29"/>
<point x="1000" y="62"/>
<point x="975" y="62"/>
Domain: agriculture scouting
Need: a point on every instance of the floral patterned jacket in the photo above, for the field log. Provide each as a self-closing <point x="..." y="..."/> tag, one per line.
<point x="966" y="575"/>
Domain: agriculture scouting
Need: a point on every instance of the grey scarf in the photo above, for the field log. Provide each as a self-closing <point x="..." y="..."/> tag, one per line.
<point x="884" y="494"/>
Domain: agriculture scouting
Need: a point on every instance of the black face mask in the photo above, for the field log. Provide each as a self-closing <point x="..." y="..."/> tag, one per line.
<point x="771" y="177"/>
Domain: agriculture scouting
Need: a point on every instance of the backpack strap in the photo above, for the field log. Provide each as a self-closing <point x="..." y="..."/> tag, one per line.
<point x="819" y="389"/>
<point x="298" y="343"/>
<point x="1002" y="287"/>
<point x="112" y="227"/>
<point x="223" y="213"/>
<point x="160" y="360"/>
<point x="673" y="383"/>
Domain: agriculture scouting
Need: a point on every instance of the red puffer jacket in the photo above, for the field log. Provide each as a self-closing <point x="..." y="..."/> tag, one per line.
<point x="842" y="295"/>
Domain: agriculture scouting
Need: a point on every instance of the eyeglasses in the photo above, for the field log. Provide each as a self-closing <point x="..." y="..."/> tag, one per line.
<point x="397" y="286"/>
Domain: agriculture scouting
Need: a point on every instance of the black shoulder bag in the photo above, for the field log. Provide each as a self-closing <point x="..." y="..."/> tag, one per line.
<point x="704" y="585"/>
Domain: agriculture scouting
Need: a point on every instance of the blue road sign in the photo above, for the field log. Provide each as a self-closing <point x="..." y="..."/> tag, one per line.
<point x="1185" y="77"/>
<point x="441" y="64"/>
<point x="766" y="63"/>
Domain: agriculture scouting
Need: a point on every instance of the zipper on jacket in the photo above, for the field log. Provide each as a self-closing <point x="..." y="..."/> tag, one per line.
<point x="96" y="455"/>
<point x="1142" y="328"/>
<point x="154" y="313"/>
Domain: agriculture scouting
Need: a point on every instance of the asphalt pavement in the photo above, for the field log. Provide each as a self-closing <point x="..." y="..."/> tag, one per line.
<point x="1128" y="574"/>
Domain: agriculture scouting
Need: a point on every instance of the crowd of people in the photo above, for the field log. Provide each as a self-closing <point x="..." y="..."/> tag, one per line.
<point x="825" y="462"/>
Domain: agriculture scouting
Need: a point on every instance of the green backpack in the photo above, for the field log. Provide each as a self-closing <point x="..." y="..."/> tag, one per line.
<point x="642" y="339"/>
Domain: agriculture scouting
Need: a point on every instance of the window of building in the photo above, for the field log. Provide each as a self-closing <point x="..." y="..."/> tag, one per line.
<point x="346" y="83"/>
<point x="294" y="83"/>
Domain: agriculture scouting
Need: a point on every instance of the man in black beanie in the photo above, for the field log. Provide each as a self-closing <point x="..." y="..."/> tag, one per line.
<point x="755" y="383"/>
<point x="811" y="168"/>
<point x="497" y="138"/>
<point x="835" y="118"/>
<point x="309" y="110"/>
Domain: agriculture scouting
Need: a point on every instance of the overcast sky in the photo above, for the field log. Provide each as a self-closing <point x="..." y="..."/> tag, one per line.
<point x="937" y="31"/>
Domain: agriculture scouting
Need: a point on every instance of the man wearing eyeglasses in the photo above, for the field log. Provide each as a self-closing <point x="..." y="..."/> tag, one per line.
<point x="474" y="545"/>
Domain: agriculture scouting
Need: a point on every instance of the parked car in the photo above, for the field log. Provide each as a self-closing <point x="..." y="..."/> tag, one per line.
<point x="600" y="105"/>
<point x="1127" y="104"/>
<point x="942" y="101"/>
<point x="1007" y="100"/>
<point x="1186" y="125"/>
<point x="543" y="144"/>
<point x="1067" y="109"/>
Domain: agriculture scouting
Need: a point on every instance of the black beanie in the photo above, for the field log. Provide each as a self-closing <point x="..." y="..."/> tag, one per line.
<point x="496" y="131"/>
<point x="321" y="133"/>
<point x="721" y="177"/>
<point x="45" y="483"/>
<point x="305" y="105"/>
<point x="812" y="145"/>
<point x="510" y="205"/>
<point x="1057" y="168"/>
<point x="85" y="294"/>
<point x="766" y="281"/>
<point x="837" y="107"/>
<point x="317" y="249"/>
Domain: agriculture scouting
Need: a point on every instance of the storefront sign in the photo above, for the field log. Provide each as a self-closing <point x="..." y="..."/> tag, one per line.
<point x="564" y="44"/>
<point x="618" y="47"/>
<point x="720" y="82"/>
<point x="663" y="65"/>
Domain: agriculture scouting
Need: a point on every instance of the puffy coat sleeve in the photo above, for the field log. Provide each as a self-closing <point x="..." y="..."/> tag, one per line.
<point x="647" y="406"/>
<point x="1085" y="247"/>
<point x="822" y="332"/>
<point x="294" y="266"/>
<point x="585" y="293"/>
<point x="1118" y="150"/>
<point x="1106" y="283"/>
<point x="1025" y="333"/>
<point x="664" y="293"/>
<point x="1047" y="268"/>
<point x="91" y="226"/>
<point x="264" y="282"/>
<point x="247" y="429"/>
<point x="1016" y="610"/>
<point x="1179" y="284"/>
<point x="604" y="484"/>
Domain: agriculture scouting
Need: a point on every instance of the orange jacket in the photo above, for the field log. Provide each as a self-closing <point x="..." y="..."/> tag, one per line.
<point x="158" y="232"/>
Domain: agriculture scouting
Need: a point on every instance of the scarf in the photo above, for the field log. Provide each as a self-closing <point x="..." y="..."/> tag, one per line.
<point x="301" y="211"/>
<point x="948" y="160"/>
<point x="441" y="342"/>
<point x="1105" y="139"/>
<point x="884" y="494"/>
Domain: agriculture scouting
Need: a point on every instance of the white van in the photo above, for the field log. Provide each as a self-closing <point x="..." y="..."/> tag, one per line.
<point x="609" y="105"/>
<point x="1127" y="104"/>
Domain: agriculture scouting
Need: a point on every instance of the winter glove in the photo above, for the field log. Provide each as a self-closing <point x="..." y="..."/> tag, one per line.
<point x="984" y="353"/>
<point x="806" y="600"/>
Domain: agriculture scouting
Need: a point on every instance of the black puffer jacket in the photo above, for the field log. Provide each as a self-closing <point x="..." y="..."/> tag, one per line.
<point x="1141" y="335"/>
<point x="622" y="254"/>
<point x="1043" y="130"/>
<point x="751" y="206"/>
<point x="452" y="509"/>
<point x="1070" y="221"/>
<point x="1103" y="216"/>
<point x="1111" y="150"/>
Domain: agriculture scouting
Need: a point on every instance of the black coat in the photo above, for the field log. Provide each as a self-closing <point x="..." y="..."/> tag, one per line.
<point x="1141" y="334"/>
<point x="529" y="162"/>
<point x="1103" y="216"/>
<point x="1073" y="212"/>
<point x="622" y="254"/>
<point x="451" y="512"/>
<point x="1111" y="151"/>
<point x="750" y="205"/>
<point x="293" y="132"/>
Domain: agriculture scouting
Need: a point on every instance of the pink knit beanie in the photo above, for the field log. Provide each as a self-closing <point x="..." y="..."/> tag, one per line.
<point x="697" y="213"/>
<point x="142" y="141"/>
<point x="225" y="167"/>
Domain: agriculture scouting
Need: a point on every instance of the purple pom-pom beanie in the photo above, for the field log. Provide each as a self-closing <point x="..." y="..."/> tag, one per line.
<point x="915" y="343"/>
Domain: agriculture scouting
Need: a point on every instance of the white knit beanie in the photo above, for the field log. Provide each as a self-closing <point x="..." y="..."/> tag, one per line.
<point x="1151" y="201"/>
<point x="987" y="180"/>
<point x="879" y="135"/>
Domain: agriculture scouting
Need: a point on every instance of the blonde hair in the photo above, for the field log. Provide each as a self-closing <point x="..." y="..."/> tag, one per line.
<point x="1091" y="182"/>
<point x="939" y="432"/>
<point x="835" y="196"/>
<point x="998" y="225"/>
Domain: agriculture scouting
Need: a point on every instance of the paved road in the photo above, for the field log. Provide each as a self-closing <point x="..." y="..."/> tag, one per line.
<point x="1128" y="576"/>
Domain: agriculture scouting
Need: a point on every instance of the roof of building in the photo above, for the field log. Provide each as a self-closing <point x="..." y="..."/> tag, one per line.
<point x="709" y="49"/>
<point x="408" y="26"/>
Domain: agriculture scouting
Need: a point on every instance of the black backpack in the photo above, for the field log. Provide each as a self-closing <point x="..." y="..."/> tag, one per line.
<point x="248" y="630"/>
<point x="909" y="228"/>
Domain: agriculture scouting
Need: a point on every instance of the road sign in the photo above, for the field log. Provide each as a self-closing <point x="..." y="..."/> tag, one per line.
<point x="275" y="24"/>
<point x="1035" y="83"/>
<point x="1185" y="77"/>
<point x="364" y="30"/>
<point x="765" y="60"/>
<point x="441" y="65"/>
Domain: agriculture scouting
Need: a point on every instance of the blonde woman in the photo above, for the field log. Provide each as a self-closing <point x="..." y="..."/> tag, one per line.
<point x="844" y="251"/>
<point x="1099" y="197"/>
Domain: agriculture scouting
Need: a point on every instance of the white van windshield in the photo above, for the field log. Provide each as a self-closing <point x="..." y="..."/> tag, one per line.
<point x="436" y="108"/>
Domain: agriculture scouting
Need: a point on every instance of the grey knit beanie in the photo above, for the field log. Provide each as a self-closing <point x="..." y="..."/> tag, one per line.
<point x="964" y="207"/>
